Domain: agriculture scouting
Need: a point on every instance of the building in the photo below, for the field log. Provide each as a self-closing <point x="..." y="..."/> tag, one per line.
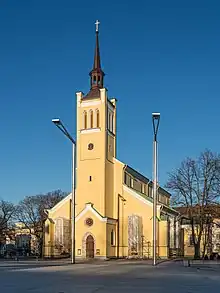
<point x="19" y="240"/>
<point x="113" y="201"/>
<point x="210" y="236"/>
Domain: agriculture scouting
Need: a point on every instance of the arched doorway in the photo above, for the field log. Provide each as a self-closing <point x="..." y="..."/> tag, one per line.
<point x="89" y="247"/>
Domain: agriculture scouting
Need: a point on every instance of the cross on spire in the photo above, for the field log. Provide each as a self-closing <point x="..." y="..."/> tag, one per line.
<point x="97" y="75"/>
<point x="97" y="23"/>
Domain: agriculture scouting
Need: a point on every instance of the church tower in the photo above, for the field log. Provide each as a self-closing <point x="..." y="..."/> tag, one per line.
<point x="96" y="143"/>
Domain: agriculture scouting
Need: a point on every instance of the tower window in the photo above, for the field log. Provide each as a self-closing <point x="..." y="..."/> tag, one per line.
<point x="91" y="119"/>
<point x="109" y="120"/>
<point x="112" y="130"/>
<point x="94" y="79"/>
<point x="90" y="146"/>
<point x="84" y="119"/>
<point x="97" y="118"/>
<point x="99" y="79"/>
<point x="90" y="178"/>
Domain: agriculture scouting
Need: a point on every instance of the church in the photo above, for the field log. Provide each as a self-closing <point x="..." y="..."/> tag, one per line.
<point x="114" y="205"/>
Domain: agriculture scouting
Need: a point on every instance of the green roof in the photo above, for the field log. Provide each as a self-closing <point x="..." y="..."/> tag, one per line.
<point x="144" y="179"/>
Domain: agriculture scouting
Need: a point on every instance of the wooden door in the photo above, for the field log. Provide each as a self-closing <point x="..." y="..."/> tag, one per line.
<point x="90" y="247"/>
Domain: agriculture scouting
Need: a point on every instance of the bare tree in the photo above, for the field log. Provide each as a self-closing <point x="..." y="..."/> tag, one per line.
<point x="7" y="211"/>
<point x="196" y="185"/>
<point x="30" y="212"/>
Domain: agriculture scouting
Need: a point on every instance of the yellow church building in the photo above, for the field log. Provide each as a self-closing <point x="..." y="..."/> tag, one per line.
<point x="114" y="205"/>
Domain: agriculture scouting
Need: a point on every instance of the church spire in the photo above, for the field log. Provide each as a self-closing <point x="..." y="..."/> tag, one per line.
<point x="97" y="75"/>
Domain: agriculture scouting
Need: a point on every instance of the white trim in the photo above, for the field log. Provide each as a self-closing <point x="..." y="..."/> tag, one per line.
<point x="111" y="221"/>
<point x="89" y="207"/>
<point x="90" y="103"/>
<point x="79" y="96"/>
<point x="110" y="134"/>
<point x="110" y="107"/>
<point x="90" y="130"/>
<point x="60" y="203"/>
<point x="139" y="197"/>
<point x="117" y="160"/>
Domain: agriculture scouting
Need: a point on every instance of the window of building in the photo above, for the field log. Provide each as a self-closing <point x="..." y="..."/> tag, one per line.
<point x="191" y="240"/>
<point x="218" y="236"/>
<point x="137" y="185"/>
<point x="58" y="231"/>
<point x="90" y="178"/>
<point x="143" y="188"/>
<point x="109" y="120"/>
<point x="91" y="118"/>
<point x="112" y="123"/>
<point x="97" y="118"/>
<point x="90" y="146"/>
<point x="47" y="229"/>
<point x="112" y="237"/>
<point x="150" y="191"/>
<point x="127" y="179"/>
<point x="162" y="199"/>
<point x="84" y="120"/>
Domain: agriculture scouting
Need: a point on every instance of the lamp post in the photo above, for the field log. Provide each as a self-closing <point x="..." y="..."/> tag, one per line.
<point x="118" y="227"/>
<point x="155" y="120"/>
<point x="62" y="128"/>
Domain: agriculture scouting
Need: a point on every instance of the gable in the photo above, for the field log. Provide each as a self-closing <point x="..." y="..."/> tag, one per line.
<point x="135" y="194"/>
<point x="60" y="203"/>
<point x="89" y="207"/>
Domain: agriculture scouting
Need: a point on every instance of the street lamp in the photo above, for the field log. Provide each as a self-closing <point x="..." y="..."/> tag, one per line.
<point x="120" y="197"/>
<point x="156" y="120"/>
<point x="62" y="128"/>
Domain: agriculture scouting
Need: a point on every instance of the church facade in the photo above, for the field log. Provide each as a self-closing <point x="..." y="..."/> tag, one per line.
<point x="114" y="205"/>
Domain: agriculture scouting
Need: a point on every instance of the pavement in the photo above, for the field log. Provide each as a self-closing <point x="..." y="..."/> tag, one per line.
<point x="105" y="277"/>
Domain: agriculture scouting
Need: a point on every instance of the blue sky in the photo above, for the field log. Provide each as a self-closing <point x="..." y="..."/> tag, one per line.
<point x="157" y="55"/>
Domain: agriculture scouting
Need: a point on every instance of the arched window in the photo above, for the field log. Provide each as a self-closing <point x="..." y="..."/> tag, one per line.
<point x="91" y="118"/>
<point x="59" y="231"/>
<point x="97" y="118"/>
<point x="112" y="237"/>
<point x="112" y="123"/>
<point x="84" y="119"/>
<point x="109" y="119"/>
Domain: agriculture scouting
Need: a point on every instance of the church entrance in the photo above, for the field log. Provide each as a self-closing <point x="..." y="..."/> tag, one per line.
<point x="90" y="247"/>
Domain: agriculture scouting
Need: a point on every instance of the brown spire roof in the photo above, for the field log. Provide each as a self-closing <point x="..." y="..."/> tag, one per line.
<point x="97" y="61"/>
<point x="96" y="75"/>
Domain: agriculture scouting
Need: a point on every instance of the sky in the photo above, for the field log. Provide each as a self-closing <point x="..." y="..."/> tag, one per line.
<point x="158" y="56"/>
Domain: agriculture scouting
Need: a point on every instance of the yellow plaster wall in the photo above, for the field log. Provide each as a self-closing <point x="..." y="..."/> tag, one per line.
<point x="62" y="211"/>
<point x="162" y="239"/>
<point x="91" y="162"/>
<point x="109" y="189"/>
<point x="111" y="249"/>
<point x="97" y="230"/>
<point x="91" y="191"/>
<point x="131" y="206"/>
<point x="189" y="249"/>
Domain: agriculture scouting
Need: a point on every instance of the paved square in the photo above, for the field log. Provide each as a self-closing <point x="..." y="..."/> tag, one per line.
<point x="106" y="277"/>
